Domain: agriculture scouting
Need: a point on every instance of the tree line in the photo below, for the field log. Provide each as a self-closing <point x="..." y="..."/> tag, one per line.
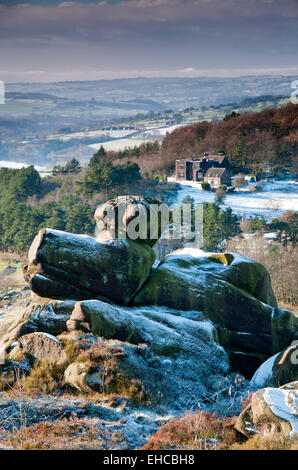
<point x="66" y="200"/>
<point x="250" y="140"/>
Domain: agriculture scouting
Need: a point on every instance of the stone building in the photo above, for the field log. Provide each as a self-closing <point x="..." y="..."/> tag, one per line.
<point x="195" y="169"/>
<point x="217" y="176"/>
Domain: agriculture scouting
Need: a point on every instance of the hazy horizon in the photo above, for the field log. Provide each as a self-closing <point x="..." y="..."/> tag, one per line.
<point x="149" y="78"/>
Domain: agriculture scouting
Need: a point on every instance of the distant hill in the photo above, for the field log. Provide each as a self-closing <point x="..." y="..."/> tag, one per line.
<point x="171" y="93"/>
<point x="251" y="139"/>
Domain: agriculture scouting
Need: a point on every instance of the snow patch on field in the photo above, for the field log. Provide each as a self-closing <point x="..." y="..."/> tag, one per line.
<point x="275" y="198"/>
<point x="120" y="144"/>
<point x="112" y="134"/>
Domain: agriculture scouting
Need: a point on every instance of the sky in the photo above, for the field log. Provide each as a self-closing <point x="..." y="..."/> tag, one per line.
<point x="44" y="41"/>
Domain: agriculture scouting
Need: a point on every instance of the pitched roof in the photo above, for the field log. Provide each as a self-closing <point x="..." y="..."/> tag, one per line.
<point x="209" y="157"/>
<point x="217" y="158"/>
<point x="215" y="172"/>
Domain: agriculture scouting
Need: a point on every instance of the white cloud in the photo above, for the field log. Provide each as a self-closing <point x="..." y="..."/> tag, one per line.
<point x="187" y="70"/>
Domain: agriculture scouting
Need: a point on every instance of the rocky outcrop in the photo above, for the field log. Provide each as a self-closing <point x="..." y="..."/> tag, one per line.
<point x="39" y="347"/>
<point x="272" y="410"/>
<point x="167" y="332"/>
<point x="203" y="273"/>
<point x="47" y="316"/>
<point x="249" y="324"/>
<point x="63" y="265"/>
<point x="195" y="311"/>
<point x="165" y="338"/>
<point x="169" y="376"/>
<point x="278" y="370"/>
<point x="83" y="377"/>
<point x="132" y="217"/>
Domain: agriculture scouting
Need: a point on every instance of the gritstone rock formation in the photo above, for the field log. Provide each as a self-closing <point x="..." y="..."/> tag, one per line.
<point x="179" y="329"/>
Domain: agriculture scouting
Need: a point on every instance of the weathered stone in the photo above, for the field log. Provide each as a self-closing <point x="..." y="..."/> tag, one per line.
<point x="167" y="332"/>
<point x="278" y="370"/>
<point x="246" y="274"/>
<point x="272" y="410"/>
<point x="196" y="279"/>
<point x="231" y="290"/>
<point x="249" y="342"/>
<point x="247" y="351"/>
<point x="83" y="377"/>
<point x="48" y="317"/>
<point x="81" y="267"/>
<point x="115" y="217"/>
<point x="103" y="320"/>
<point x="39" y="347"/>
<point x="162" y="348"/>
<point x="284" y="326"/>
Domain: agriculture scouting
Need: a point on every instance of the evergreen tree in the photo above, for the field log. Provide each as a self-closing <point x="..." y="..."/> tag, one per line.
<point x="257" y="224"/>
<point x="79" y="219"/>
<point x="73" y="166"/>
<point x="211" y="231"/>
<point x="98" y="157"/>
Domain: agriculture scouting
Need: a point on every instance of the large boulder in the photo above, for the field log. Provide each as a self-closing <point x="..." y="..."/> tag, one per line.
<point x="63" y="265"/>
<point x="133" y="217"/>
<point x="278" y="370"/>
<point x="39" y="347"/>
<point x="191" y="279"/>
<point x="162" y="348"/>
<point x="272" y="410"/>
<point x="167" y="332"/>
<point x="47" y="316"/>
<point x="234" y="292"/>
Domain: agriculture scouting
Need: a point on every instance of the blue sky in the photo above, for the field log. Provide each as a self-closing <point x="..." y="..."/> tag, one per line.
<point x="54" y="40"/>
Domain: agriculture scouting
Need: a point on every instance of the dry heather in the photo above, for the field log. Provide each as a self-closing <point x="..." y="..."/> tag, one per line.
<point x="201" y="431"/>
<point x="267" y="442"/>
<point x="72" y="434"/>
<point x="205" y="431"/>
<point x="48" y="378"/>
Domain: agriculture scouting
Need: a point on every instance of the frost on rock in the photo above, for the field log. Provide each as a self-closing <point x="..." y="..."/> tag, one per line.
<point x="263" y="374"/>
<point x="272" y="410"/>
<point x="174" y="354"/>
<point x="64" y="265"/>
<point x="284" y="404"/>
<point x="278" y="370"/>
<point x="46" y="317"/>
<point x="231" y="290"/>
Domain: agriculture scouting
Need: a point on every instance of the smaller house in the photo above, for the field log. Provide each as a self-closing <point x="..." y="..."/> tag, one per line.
<point x="217" y="176"/>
